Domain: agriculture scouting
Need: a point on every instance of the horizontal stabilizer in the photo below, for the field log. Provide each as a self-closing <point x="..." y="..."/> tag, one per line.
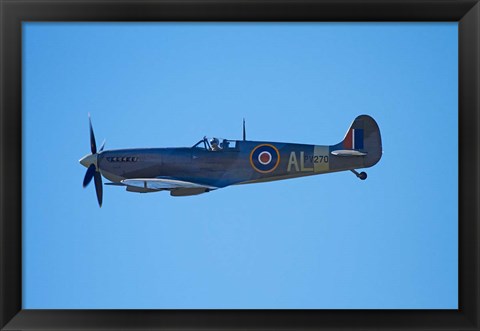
<point x="347" y="152"/>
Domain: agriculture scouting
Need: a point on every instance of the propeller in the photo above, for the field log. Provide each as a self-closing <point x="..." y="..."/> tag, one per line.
<point x="89" y="175"/>
<point x="101" y="147"/>
<point x="90" y="162"/>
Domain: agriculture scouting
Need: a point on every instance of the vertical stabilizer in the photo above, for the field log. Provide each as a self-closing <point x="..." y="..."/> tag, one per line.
<point x="361" y="140"/>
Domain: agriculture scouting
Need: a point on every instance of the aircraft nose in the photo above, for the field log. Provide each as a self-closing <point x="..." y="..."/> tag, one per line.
<point x="87" y="160"/>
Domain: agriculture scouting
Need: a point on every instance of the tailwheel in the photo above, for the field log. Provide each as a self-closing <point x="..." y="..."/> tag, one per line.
<point x="362" y="175"/>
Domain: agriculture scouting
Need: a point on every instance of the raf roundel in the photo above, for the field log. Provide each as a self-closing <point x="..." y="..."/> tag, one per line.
<point x="265" y="158"/>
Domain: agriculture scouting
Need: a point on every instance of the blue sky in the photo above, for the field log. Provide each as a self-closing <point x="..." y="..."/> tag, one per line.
<point x="327" y="241"/>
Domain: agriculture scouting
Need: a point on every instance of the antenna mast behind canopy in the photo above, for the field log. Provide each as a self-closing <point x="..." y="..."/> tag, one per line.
<point x="244" y="133"/>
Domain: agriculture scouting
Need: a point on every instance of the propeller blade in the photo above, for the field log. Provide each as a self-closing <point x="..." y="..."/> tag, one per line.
<point x="103" y="145"/>
<point x="99" y="187"/>
<point x="93" y="144"/>
<point x="89" y="175"/>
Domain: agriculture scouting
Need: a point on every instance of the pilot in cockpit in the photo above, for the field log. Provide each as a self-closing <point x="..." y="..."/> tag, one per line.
<point x="214" y="143"/>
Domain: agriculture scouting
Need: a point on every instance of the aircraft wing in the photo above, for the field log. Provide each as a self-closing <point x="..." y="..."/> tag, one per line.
<point x="165" y="184"/>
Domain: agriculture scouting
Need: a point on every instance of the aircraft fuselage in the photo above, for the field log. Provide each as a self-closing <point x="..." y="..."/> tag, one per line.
<point x="244" y="163"/>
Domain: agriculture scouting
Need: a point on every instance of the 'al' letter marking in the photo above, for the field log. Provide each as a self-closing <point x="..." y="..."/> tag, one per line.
<point x="292" y="160"/>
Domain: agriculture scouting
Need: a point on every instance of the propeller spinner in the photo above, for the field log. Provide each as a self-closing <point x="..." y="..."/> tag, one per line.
<point x="90" y="162"/>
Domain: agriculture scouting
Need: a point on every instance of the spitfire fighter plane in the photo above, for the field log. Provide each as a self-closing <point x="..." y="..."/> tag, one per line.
<point x="215" y="163"/>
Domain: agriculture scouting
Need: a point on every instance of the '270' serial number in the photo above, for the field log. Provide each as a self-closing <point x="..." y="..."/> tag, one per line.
<point x="316" y="158"/>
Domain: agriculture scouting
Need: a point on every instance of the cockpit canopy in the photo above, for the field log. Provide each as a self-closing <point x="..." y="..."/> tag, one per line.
<point x="215" y="144"/>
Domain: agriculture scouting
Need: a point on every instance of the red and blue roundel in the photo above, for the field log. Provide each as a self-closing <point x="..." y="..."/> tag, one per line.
<point x="265" y="158"/>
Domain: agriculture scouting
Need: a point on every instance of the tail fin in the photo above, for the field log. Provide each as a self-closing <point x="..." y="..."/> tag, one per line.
<point x="362" y="139"/>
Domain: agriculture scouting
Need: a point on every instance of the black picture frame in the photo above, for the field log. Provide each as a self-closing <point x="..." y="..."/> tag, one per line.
<point x="14" y="12"/>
